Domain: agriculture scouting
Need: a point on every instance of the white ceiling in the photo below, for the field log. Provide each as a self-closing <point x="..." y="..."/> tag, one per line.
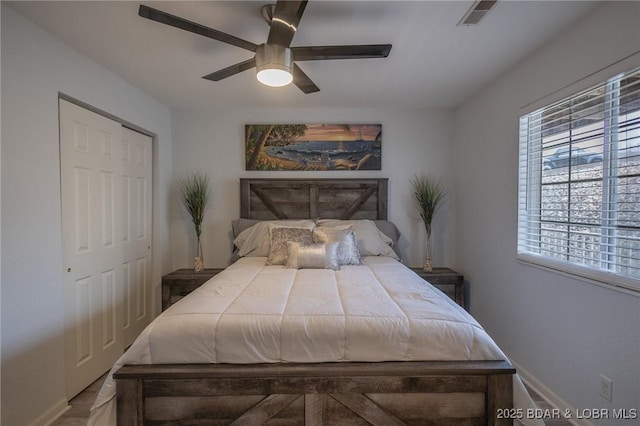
<point x="433" y="62"/>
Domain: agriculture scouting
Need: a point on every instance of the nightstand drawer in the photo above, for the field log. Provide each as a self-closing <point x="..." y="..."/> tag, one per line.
<point x="446" y="280"/>
<point x="178" y="291"/>
<point x="181" y="282"/>
<point x="449" y="290"/>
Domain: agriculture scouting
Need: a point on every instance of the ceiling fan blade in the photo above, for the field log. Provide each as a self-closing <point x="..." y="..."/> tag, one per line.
<point x="303" y="82"/>
<point x="358" y="51"/>
<point x="284" y="22"/>
<point x="232" y="70"/>
<point x="183" y="24"/>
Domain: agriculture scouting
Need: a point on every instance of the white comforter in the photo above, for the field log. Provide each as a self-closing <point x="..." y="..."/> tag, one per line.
<point x="252" y="313"/>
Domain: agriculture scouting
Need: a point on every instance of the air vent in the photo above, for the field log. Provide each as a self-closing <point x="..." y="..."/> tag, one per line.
<point x="477" y="11"/>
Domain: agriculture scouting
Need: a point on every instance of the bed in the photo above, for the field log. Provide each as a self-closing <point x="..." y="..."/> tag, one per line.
<point x="365" y="344"/>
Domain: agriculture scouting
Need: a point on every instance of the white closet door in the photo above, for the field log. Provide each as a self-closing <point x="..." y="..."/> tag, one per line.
<point x="91" y="189"/>
<point x="136" y="237"/>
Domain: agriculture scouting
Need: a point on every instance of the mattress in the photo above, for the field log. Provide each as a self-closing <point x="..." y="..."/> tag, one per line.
<point x="252" y="313"/>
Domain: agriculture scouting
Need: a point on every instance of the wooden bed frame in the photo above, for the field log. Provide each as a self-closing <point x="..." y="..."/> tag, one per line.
<point x="356" y="393"/>
<point x="269" y="199"/>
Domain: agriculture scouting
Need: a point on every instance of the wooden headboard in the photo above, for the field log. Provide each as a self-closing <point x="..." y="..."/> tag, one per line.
<point x="268" y="199"/>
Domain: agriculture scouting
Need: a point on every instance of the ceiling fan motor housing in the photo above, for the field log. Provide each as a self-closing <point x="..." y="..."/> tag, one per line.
<point x="275" y="59"/>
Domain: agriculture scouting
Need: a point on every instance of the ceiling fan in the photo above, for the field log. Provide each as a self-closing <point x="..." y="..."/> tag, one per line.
<point x="275" y="59"/>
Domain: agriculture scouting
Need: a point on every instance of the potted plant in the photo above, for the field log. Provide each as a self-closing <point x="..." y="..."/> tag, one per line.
<point x="429" y="194"/>
<point x="195" y="197"/>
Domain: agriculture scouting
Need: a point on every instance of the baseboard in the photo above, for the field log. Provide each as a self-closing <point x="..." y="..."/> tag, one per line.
<point x="52" y="414"/>
<point x="548" y="395"/>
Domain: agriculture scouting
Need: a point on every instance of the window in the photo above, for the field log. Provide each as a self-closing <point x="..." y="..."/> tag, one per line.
<point x="579" y="183"/>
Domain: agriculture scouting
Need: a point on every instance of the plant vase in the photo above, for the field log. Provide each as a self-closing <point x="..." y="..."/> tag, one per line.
<point x="429" y="194"/>
<point x="198" y="261"/>
<point x="195" y="199"/>
<point x="426" y="267"/>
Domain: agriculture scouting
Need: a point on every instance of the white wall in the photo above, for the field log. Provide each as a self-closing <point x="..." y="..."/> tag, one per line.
<point x="413" y="141"/>
<point x="35" y="68"/>
<point x="563" y="331"/>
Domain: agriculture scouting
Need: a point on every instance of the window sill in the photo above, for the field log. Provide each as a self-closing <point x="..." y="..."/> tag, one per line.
<point x="631" y="287"/>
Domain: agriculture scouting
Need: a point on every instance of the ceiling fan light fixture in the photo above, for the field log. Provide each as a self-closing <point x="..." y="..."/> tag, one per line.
<point x="274" y="64"/>
<point x="274" y="77"/>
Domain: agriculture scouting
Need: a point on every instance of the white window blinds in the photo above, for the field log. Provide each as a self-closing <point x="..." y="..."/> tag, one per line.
<point x="579" y="183"/>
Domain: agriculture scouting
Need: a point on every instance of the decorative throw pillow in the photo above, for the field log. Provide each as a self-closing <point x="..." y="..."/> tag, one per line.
<point x="279" y="239"/>
<point x="371" y="241"/>
<point x="348" y="253"/>
<point x="312" y="256"/>
<point x="255" y="240"/>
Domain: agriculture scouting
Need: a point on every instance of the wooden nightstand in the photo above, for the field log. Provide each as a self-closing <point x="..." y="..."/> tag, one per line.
<point x="181" y="282"/>
<point x="446" y="280"/>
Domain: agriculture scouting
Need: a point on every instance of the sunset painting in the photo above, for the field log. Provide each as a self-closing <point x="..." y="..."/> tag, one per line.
<point x="313" y="146"/>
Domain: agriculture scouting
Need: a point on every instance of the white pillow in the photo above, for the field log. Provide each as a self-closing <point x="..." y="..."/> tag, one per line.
<point x="371" y="241"/>
<point x="312" y="256"/>
<point x="255" y="240"/>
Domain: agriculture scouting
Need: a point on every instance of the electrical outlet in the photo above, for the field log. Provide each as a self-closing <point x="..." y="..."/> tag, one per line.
<point x="606" y="388"/>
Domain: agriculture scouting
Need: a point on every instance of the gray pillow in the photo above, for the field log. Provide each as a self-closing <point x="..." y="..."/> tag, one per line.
<point x="241" y="224"/>
<point x="391" y="231"/>
<point x="348" y="253"/>
<point x="312" y="256"/>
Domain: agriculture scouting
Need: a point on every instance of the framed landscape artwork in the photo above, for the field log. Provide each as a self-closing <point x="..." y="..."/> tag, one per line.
<point x="313" y="146"/>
